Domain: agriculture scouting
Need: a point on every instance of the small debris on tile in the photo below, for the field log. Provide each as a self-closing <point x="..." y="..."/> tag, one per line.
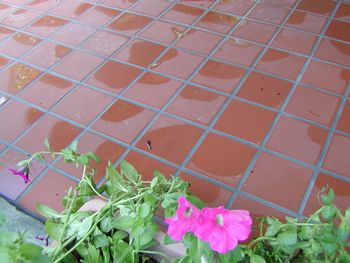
<point x="315" y="113"/>
<point x="177" y="33"/>
<point x="149" y="145"/>
<point x="3" y="99"/>
<point x="154" y="64"/>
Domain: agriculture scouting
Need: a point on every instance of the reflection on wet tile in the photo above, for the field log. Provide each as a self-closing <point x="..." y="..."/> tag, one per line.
<point x="83" y="105"/>
<point x="113" y="76"/>
<point x="53" y="197"/>
<point x="239" y="7"/>
<point x="129" y="23"/>
<point x="254" y="122"/>
<point x="17" y="77"/>
<point x="337" y="156"/>
<point x="238" y="51"/>
<point x="73" y="34"/>
<point x="19" y="18"/>
<point x="265" y="89"/>
<point x="4" y="62"/>
<point x="70" y="9"/>
<point x="219" y="76"/>
<point x="334" y="51"/>
<point x="16" y="118"/>
<point x="98" y="16"/>
<point x="268" y="13"/>
<point x="343" y="12"/>
<point x="5" y="32"/>
<point x="221" y="159"/>
<point x="286" y="3"/>
<point x="140" y="52"/>
<point x="306" y="22"/>
<point x="297" y="139"/>
<point x="123" y="121"/>
<point x="196" y="104"/>
<point x="271" y="172"/>
<point x="183" y="14"/>
<point x="170" y="139"/>
<point x="153" y="90"/>
<point x="177" y="63"/>
<point x="199" y="41"/>
<point x="18" y="44"/>
<point x="47" y="90"/>
<point x="322" y="7"/>
<point x="313" y="105"/>
<point x="217" y="22"/>
<point x="47" y="54"/>
<point x="281" y="63"/>
<point x="344" y="123"/>
<point x="123" y="4"/>
<point x="341" y="191"/>
<point x="103" y="148"/>
<point x="255" y="31"/>
<point x="339" y="30"/>
<point x="42" y="5"/>
<point x="13" y="185"/>
<point x="151" y="7"/>
<point x="333" y="78"/>
<point x="199" y="187"/>
<point x="163" y="32"/>
<point x="59" y="133"/>
<point x="46" y="25"/>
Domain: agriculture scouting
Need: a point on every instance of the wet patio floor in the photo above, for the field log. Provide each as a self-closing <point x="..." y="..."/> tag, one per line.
<point x="247" y="100"/>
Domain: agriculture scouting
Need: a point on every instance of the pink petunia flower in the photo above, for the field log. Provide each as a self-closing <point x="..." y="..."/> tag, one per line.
<point x="185" y="219"/>
<point x="24" y="173"/>
<point x="223" y="228"/>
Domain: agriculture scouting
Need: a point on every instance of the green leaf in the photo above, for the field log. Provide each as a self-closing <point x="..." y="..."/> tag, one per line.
<point x="154" y="182"/>
<point x="143" y="233"/>
<point x="168" y="240"/>
<point x="288" y="238"/>
<point x="48" y="212"/>
<point x="129" y="172"/>
<point x="74" y="145"/>
<point x="83" y="160"/>
<point x="123" y="222"/>
<point x="347" y="213"/>
<point x="84" y="227"/>
<point x="170" y="199"/>
<point x="257" y="259"/>
<point x="93" y="156"/>
<point x="342" y="232"/>
<point x="2" y="219"/>
<point x="329" y="247"/>
<point x="54" y="230"/>
<point x="30" y="251"/>
<point x="328" y="212"/>
<point x="47" y="144"/>
<point x="305" y="232"/>
<point x="195" y="201"/>
<point x="145" y="210"/>
<point x="274" y="226"/>
<point x="119" y="235"/>
<point x="106" y="224"/>
<point x="39" y="157"/>
<point x="101" y="241"/>
<point x="122" y="252"/>
<point x="22" y="163"/>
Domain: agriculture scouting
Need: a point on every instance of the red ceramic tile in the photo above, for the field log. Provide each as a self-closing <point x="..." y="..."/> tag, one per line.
<point x="103" y="148"/>
<point x="47" y="91"/>
<point x="199" y="3"/>
<point x="344" y="123"/>
<point x="271" y="172"/>
<point x="269" y="13"/>
<point x="140" y="52"/>
<point x="333" y="78"/>
<point x="73" y="34"/>
<point x="105" y="43"/>
<point x="255" y="31"/>
<point x="239" y="8"/>
<point x="218" y="22"/>
<point x="5" y="9"/>
<point x="341" y="190"/>
<point x="219" y="76"/>
<point x="59" y="133"/>
<point x="70" y="9"/>
<point x="170" y="139"/>
<point x="281" y="63"/>
<point x="294" y="41"/>
<point x="129" y="23"/>
<point x="199" y="41"/>
<point x="46" y="25"/>
<point x="146" y="166"/>
<point x="44" y="193"/>
<point x="196" y="104"/>
<point x="42" y="5"/>
<point x="153" y="90"/>
<point x="72" y="65"/>
<point x="226" y="165"/>
<point x="98" y="16"/>
<point x="322" y="7"/>
<point x="5" y="32"/>
<point x="199" y="187"/>
<point x="122" y="4"/>
<point x="20" y="18"/>
<point x="237" y="51"/>
<point x="339" y="30"/>
<point x="297" y="139"/>
<point x="113" y="76"/>
<point x="151" y="7"/>
<point x="16" y="118"/>
<point x="4" y="62"/>
<point x="334" y="51"/>
<point x="343" y="12"/>
<point x="306" y="22"/>
<point x="18" y="44"/>
<point x="313" y="105"/>
<point x="336" y="158"/>
<point x="83" y="105"/>
<point x="47" y="54"/>
<point x="17" y="77"/>
<point x="183" y="14"/>
<point x="245" y="121"/>
<point x="13" y="185"/>
<point x="265" y="90"/>
<point x="287" y="3"/>
<point x="123" y="121"/>
<point x="177" y="63"/>
<point x="163" y="32"/>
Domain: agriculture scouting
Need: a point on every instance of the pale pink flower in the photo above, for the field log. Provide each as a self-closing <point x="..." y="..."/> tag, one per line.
<point x="185" y="219"/>
<point x="223" y="228"/>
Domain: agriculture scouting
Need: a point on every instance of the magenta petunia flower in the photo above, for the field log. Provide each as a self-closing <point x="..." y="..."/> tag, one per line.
<point x="223" y="228"/>
<point x="24" y="173"/>
<point x="185" y="219"/>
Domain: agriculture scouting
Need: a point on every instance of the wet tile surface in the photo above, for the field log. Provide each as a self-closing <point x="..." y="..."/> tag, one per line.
<point x="224" y="94"/>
